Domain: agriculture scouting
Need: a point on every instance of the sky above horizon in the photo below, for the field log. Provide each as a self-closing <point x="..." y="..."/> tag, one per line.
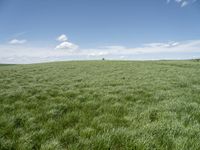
<point x="34" y="31"/>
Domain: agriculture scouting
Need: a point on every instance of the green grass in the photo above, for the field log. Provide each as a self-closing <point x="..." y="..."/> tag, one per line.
<point x="100" y="105"/>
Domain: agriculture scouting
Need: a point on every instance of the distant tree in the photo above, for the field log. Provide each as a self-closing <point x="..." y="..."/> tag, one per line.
<point x="197" y="59"/>
<point x="103" y="59"/>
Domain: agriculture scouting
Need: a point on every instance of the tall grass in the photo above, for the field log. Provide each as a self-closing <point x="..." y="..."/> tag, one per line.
<point x="100" y="105"/>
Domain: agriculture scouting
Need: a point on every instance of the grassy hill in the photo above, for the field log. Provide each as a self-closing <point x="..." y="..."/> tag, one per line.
<point x="100" y="105"/>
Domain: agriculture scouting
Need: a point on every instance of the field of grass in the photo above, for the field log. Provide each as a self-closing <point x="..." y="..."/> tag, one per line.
<point x="100" y="105"/>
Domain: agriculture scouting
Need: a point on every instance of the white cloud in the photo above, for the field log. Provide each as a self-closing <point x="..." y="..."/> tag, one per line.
<point x="151" y="48"/>
<point x="62" y="38"/>
<point x="67" y="45"/>
<point x="163" y="45"/>
<point x="167" y="50"/>
<point x="16" y="41"/>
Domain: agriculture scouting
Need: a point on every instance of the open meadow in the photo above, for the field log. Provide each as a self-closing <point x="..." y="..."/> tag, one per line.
<point x="100" y="105"/>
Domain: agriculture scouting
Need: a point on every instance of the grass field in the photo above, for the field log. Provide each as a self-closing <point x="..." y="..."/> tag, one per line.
<point x="100" y="105"/>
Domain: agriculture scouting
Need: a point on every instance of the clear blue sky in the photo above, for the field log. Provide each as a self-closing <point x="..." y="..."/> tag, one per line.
<point x="96" y="23"/>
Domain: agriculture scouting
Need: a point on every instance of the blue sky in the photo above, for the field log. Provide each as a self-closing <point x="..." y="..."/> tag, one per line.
<point x="51" y="30"/>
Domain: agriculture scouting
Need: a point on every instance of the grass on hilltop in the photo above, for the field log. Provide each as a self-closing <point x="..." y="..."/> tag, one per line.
<point x="100" y="105"/>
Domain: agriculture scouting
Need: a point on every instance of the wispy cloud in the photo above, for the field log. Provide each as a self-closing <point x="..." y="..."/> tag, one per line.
<point x="182" y="3"/>
<point x="16" y="35"/>
<point x="16" y="41"/>
<point x="165" y="50"/>
<point x="168" y="1"/>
